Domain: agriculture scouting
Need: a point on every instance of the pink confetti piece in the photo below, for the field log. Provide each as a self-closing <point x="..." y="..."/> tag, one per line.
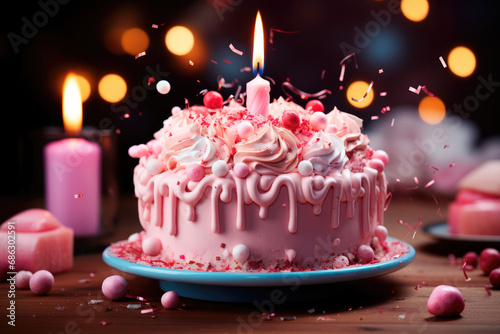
<point x="452" y="164"/>
<point x="182" y="257"/>
<point x="151" y="80"/>
<point x="430" y="183"/>
<point x="415" y="179"/>
<point x="431" y="166"/>
<point x="78" y="195"/>
<point x="191" y="63"/>
<point x="426" y="91"/>
<point x="374" y="118"/>
<point x="467" y="278"/>
<point x="272" y="30"/>
<point x="238" y="52"/>
<point x="443" y="62"/>
<point x="366" y="93"/>
<point x="246" y="69"/>
<point x="151" y="310"/>
<point x="140" y="298"/>
<point x="85" y="280"/>
<point x="392" y="122"/>
<point x="213" y="61"/>
<point x="446" y="146"/>
<point x="415" y="90"/>
<point x="342" y="64"/>
<point x="388" y="199"/>
<point x="453" y="259"/>
<point x="227" y="61"/>
<point x="381" y="70"/>
<point x="385" y="109"/>
<point x="411" y="228"/>
<point x="323" y="74"/>
<point x="154" y="26"/>
<point x="303" y="95"/>
<point x="140" y="54"/>
<point x="383" y="94"/>
<point x="323" y="319"/>
<point x="104" y="323"/>
<point x="435" y="200"/>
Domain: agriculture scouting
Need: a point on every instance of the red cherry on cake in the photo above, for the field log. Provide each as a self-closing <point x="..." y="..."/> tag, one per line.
<point x="291" y="119"/>
<point x="212" y="100"/>
<point x="489" y="260"/>
<point x="315" y="105"/>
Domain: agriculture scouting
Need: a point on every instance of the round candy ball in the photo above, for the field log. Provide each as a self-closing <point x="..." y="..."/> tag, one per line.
<point x="315" y="105"/>
<point x="163" y="86"/>
<point x="381" y="232"/>
<point x="305" y="168"/>
<point x="241" y="170"/>
<point x="170" y="299"/>
<point x="376" y="164"/>
<point x="195" y="172"/>
<point x="489" y="259"/>
<point x="495" y="277"/>
<point x="22" y="279"/>
<point x="290" y="119"/>
<point x="220" y="168"/>
<point x="213" y="100"/>
<point x="382" y="156"/>
<point x="331" y="128"/>
<point x="41" y="282"/>
<point x="176" y="110"/>
<point x="154" y="166"/>
<point x="114" y="287"/>
<point x="445" y="301"/>
<point x="241" y="253"/>
<point x="471" y="260"/>
<point x="151" y="246"/>
<point x="245" y="129"/>
<point x="365" y="253"/>
<point x="318" y="121"/>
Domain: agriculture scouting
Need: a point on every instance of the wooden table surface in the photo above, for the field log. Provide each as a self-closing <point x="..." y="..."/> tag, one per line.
<point x="393" y="303"/>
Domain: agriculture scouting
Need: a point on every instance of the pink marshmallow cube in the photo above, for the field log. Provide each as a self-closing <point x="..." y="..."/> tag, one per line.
<point x="41" y="242"/>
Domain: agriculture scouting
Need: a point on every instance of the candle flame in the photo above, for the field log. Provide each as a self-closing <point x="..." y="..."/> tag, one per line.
<point x="72" y="105"/>
<point x="258" y="46"/>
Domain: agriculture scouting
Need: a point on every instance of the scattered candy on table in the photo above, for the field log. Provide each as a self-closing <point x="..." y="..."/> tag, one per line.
<point x="114" y="287"/>
<point x="489" y="259"/>
<point x="170" y="299"/>
<point x="22" y="279"/>
<point x="445" y="301"/>
<point x="494" y="277"/>
<point x="213" y="100"/>
<point x="41" y="282"/>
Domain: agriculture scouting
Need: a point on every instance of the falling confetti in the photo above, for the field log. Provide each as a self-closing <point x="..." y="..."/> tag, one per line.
<point x="238" y="52"/>
<point x="272" y="30"/>
<point x="78" y="195"/>
<point x="366" y="93"/>
<point x="374" y="118"/>
<point x="303" y="95"/>
<point x="140" y="54"/>
<point x="442" y="62"/>
<point x="342" y="64"/>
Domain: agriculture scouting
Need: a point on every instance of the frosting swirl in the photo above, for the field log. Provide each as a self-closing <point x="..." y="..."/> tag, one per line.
<point x="270" y="151"/>
<point x="326" y="152"/>
<point x="348" y="129"/>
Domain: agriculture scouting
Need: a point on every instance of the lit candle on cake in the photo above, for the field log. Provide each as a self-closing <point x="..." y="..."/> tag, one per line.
<point x="258" y="89"/>
<point x="73" y="170"/>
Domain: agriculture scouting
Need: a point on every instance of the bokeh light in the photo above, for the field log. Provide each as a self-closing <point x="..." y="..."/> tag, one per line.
<point x="112" y="88"/>
<point x="357" y="90"/>
<point x="415" y="10"/>
<point x="431" y="110"/>
<point x="179" y="40"/>
<point x="462" y="61"/>
<point x="84" y="86"/>
<point x="134" y="41"/>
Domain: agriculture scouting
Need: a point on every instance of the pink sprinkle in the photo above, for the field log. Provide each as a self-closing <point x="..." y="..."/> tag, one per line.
<point x="430" y="183"/>
<point x="446" y="146"/>
<point x="151" y="80"/>
<point x="227" y="61"/>
<point x="213" y="61"/>
<point x="453" y="164"/>
<point x="191" y="63"/>
<point x="151" y="310"/>
<point x="182" y="257"/>
<point x="428" y="92"/>
<point x="374" y="118"/>
<point x="323" y="74"/>
<point x="435" y="200"/>
<point x="383" y="93"/>
<point x="154" y="26"/>
<point x="415" y="179"/>
<point x="92" y="275"/>
<point x="415" y="90"/>
<point x="272" y="30"/>
<point x="238" y="52"/>
<point x="342" y="69"/>
<point x="442" y="62"/>
<point x="431" y="166"/>
<point x="366" y="94"/>
<point x="467" y="278"/>
<point x="140" y="54"/>
<point x="246" y="69"/>
<point x="78" y="195"/>
<point x="381" y="71"/>
<point x="392" y="122"/>
<point x="342" y="72"/>
<point x="104" y="323"/>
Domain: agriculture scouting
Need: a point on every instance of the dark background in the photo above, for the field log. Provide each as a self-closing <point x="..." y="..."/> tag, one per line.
<point x="74" y="39"/>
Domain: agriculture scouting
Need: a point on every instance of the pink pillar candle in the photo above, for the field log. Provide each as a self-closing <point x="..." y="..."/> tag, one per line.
<point x="72" y="184"/>
<point x="258" y="96"/>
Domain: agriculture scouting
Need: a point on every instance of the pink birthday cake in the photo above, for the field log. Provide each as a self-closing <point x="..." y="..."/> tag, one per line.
<point x="221" y="189"/>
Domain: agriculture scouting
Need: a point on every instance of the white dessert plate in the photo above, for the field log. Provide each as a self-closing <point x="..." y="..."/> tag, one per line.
<point x="250" y="287"/>
<point x="441" y="232"/>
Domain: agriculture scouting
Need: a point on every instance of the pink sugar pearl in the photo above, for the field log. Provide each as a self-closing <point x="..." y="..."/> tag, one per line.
<point x="213" y="100"/>
<point x="318" y="121"/>
<point x="138" y="151"/>
<point x="290" y="119"/>
<point x="22" y="279"/>
<point x="245" y="129"/>
<point x="365" y="253"/>
<point x="382" y="156"/>
<point x="331" y="128"/>
<point x="41" y="282"/>
<point x="315" y="105"/>
<point x="445" y="301"/>
<point x="241" y="170"/>
<point x="381" y="232"/>
<point x="195" y="172"/>
<point x="376" y="164"/>
<point x="114" y="287"/>
<point x="151" y="246"/>
<point x="169" y="300"/>
<point x="489" y="259"/>
<point x="220" y="168"/>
